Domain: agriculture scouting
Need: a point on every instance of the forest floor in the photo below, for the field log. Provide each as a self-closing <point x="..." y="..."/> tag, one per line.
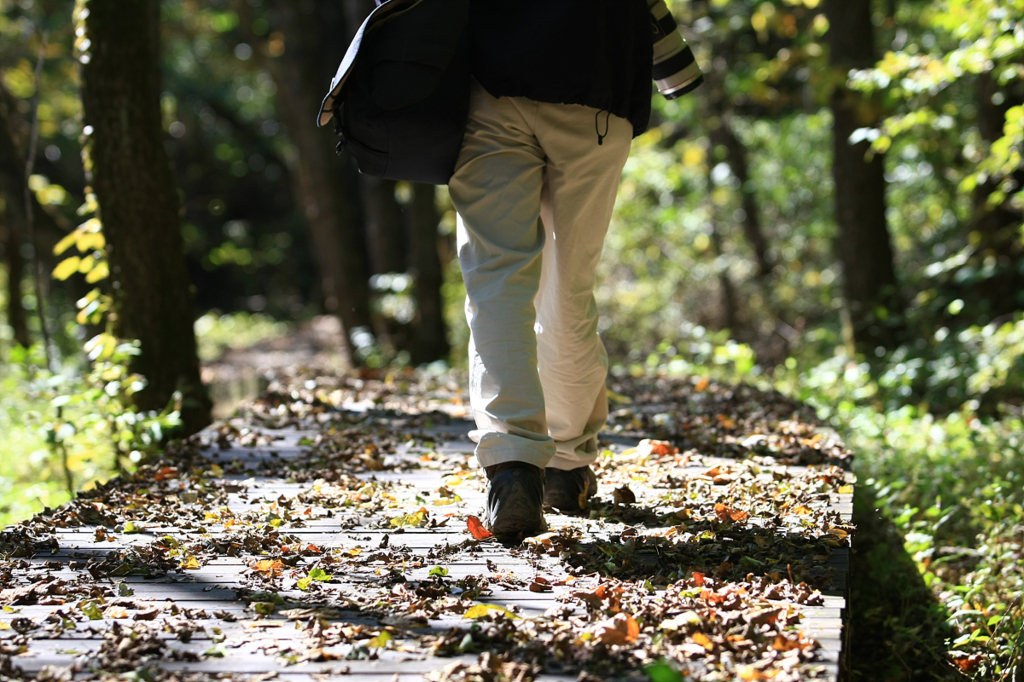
<point x="328" y="527"/>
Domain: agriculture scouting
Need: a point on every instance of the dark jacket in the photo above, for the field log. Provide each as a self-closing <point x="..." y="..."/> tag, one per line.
<point x="592" y="52"/>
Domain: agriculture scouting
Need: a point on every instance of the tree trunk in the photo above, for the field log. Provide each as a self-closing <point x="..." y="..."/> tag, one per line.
<point x="997" y="228"/>
<point x="863" y="245"/>
<point x="384" y="225"/>
<point x="431" y="334"/>
<point x="327" y="186"/>
<point x="134" y="185"/>
<point x="17" y="317"/>
<point x="12" y="193"/>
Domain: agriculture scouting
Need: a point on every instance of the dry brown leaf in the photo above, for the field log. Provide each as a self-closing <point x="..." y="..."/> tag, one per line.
<point x="619" y="629"/>
<point x="624" y="496"/>
<point x="726" y="513"/>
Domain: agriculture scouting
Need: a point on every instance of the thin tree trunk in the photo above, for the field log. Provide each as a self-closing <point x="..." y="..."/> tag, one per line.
<point x="863" y="245"/>
<point x="12" y="189"/>
<point x="17" y="317"/>
<point x="431" y="334"/>
<point x="327" y="186"/>
<point x="134" y="185"/>
<point x="736" y="157"/>
<point x="384" y="225"/>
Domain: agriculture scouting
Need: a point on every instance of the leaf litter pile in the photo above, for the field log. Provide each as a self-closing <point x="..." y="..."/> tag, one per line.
<point x="333" y="526"/>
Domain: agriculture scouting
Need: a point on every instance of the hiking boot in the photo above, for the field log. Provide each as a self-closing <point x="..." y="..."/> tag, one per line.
<point x="568" y="491"/>
<point x="514" y="498"/>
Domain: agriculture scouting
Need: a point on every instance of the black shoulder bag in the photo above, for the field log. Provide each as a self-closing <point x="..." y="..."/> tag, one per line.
<point x="400" y="99"/>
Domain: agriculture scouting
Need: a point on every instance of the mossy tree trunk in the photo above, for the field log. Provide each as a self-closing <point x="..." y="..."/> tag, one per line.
<point x="133" y="181"/>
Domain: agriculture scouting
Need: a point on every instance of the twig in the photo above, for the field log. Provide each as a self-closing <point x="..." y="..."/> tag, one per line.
<point x="1017" y="656"/>
<point x="1016" y="644"/>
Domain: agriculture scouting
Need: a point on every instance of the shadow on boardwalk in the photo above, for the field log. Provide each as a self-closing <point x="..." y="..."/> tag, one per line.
<point x="323" y="530"/>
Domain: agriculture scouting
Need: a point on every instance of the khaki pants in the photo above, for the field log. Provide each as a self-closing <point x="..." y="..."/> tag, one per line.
<point x="535" y="192"/>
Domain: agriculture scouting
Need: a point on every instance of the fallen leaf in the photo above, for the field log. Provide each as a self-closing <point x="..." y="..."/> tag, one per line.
<point x="702" y="385"/>
<point x="726" y="513"/>
<point x="269" y="567"/>
<point x="624" y="496"/>
<point x="165" y="474"/>
<point x="622" y="628"/>
<point x="703" y="640"/>
<point x="476" y="528"/>
<point x="481" y="610"/>
<point x="655" y="447"/>
<point x="967" y="664"/>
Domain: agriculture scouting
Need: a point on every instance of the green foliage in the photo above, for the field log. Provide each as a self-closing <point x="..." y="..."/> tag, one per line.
<point x="216" y="333"/>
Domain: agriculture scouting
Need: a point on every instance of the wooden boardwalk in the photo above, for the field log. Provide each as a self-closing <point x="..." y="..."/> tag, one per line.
<point x="307" y="540"/>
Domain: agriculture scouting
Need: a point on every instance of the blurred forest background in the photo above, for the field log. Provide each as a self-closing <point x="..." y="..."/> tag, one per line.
<point x="836" y="214"/>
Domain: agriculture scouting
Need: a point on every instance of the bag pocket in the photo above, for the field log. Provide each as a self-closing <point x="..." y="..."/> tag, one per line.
<point x="406" y="72"/>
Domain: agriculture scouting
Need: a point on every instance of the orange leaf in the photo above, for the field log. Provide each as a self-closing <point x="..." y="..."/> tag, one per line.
<point x="702" y="385"/>
<point x="969" y="663"/>
<point x="269" y="567"/>
<point x="703" y="640"/>
<point x="655" y="447"/>
<point x="165" y="473"/>
<point x="802" y="509"/>
<point x="728" y="513"/>
<point x="632" y="629"/>
<point x="476" y="528"/>
<point x="620" y="629"/>
<point x="698" y="578"/>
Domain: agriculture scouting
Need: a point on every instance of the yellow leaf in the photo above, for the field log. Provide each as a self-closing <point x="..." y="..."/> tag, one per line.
<point x="618" y="398"/>
<point x="190" y="564"/>
<point x="91" y="241"/>
<point x="100" y="271"/>
<point x="66" y="268"/>
<point x="381" y="640"/>
<point x="846" y="490"/>
<point x="481" y="610"/>
<point x="65" y="243"/>
<point x="85" y="264"/>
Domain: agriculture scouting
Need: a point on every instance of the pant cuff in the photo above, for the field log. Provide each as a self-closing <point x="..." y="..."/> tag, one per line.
<point x="493" y="447"/>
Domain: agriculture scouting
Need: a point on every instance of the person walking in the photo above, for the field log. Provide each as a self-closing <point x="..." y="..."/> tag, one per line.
<point x="560" y="89"/>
